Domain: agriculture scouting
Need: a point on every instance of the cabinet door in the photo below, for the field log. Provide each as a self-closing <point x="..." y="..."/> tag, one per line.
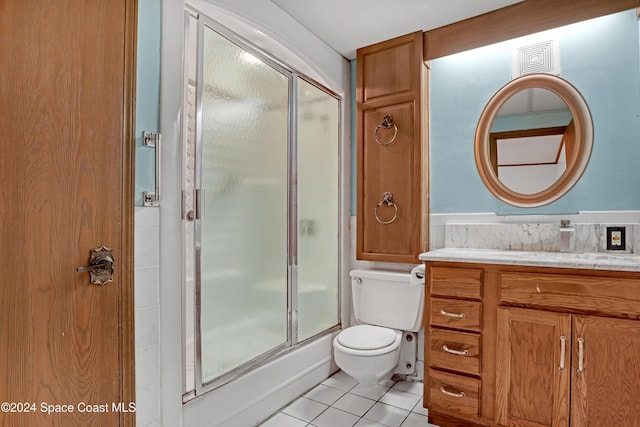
<point x="390" y="169"/>
<point x="532" y="372"/>
<point x="392" y="212"/>
<point x="606" y="372"/>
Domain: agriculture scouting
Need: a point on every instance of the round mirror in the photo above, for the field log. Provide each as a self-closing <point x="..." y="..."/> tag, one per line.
<point x="533" y="140"/>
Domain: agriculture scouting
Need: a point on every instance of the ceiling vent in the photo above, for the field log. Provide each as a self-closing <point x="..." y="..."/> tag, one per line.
<point x="541" y="57"/>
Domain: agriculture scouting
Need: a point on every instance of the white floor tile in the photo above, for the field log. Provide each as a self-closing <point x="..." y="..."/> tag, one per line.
<point x="374" y="392"/>
<point x="386" y="414"/>
<point x="387" y="383"/>
<point x="335" y="418"/>
<point x="415" y="420"/>
<point x="401" y="399"/>
<point x="368" y="423"/>
<point x="412" y="387"/>
<point x="324" y="394"/>
<point x="283" y="420"/>
<point x="353" y="404"/>
<point x="305" y="409"/>
<point x="341" y="381"/>
<point x="341" y="402"/>
<point x="419" y="409"/>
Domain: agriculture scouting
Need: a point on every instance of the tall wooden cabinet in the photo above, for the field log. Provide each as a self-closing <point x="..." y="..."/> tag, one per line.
<point x="391" y="159"/>
<point x="532" y="346"/>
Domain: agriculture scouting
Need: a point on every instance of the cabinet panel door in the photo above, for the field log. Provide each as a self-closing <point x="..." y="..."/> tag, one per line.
<point x="390" y="229"/>
<point x="531" y="389"/>
<point x="607" y="391"/>
<point x="390" y="69"/>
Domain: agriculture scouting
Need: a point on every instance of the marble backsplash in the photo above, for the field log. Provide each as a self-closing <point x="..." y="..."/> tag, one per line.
<point x="544" y="237"/>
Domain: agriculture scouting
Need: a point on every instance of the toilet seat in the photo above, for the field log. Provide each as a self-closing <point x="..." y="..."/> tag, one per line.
<point x="368" y="340"/>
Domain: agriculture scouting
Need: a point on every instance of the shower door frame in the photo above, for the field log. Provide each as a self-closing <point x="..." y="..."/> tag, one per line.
<point x="291" y="343"/>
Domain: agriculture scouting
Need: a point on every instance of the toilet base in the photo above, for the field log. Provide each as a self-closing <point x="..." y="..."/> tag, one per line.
<point x="408" y="354"/>
<point x="368" y="370"/>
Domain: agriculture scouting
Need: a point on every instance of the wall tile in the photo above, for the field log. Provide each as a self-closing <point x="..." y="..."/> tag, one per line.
<point x="147" y="289"/>
<point x="147" y="316"/>
<point x="147" y="326"/>
<point x="147" y="366"/>
<point x="148" y="405"/>
<point x="147" y="245"/>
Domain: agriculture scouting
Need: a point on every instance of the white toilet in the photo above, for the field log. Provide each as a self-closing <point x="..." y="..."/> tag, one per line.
<point x="386" y="304"/>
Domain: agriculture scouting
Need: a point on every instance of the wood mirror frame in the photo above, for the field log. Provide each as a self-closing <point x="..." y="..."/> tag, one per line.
<point x="583" y="140"/>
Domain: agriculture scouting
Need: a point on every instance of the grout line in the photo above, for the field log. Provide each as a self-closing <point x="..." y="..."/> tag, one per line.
<point x="409" y="411"/>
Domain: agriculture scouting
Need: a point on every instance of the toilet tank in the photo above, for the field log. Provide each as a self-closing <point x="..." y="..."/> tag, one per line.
<point x="389" y="298"/>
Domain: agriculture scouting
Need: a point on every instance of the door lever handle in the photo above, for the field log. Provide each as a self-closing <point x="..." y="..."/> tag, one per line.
<point x="100" y="266"/>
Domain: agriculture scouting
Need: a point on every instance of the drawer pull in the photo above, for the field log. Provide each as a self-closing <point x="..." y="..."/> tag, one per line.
<point x="563" y="345"/>
<point x="449" y="393"/>
<point x="456" y="352"/>
<point x="454" y="315"/>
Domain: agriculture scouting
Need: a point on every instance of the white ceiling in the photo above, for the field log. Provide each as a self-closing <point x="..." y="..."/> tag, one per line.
<point x="347" y="25"/>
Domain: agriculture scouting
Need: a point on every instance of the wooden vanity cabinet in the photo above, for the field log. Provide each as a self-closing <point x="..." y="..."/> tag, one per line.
<point x="391" y="184"/>
<point x="594" y="382"/>
<point x="557" y="347"/>
<point x="594" y="318"/>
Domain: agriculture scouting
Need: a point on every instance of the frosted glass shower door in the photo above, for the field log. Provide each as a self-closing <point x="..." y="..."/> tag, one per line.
<point x="243" y="258"/>
<point x="318" y="196"/>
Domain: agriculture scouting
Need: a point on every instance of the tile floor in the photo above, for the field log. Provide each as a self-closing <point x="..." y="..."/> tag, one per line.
<point x="341" y="402"/>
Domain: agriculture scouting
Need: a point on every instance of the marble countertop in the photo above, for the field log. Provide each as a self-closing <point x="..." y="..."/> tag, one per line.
<point x="587" y="260"/>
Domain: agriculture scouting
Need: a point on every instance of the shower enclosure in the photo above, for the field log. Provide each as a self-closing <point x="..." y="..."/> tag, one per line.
<point x="260" y="206"/>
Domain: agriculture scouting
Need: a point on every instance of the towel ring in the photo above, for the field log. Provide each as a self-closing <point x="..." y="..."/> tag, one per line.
<point x="387" y="200"/>
<point x="387" y="122"/>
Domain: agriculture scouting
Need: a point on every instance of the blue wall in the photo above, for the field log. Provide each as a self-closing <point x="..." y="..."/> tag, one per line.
<point x="147" y="92"/>
<point x="601" y="58"/>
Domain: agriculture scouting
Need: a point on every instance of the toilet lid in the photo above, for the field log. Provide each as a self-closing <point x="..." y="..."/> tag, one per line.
<point x="366" y="337"/>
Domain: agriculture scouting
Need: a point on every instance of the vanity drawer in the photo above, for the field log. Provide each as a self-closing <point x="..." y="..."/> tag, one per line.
<point x="456" y="282"/>
<point x="457" y="314"/>
<point x="616" y="296"/>
<point x="456" y="351"/>
<point x="454" y="393"/>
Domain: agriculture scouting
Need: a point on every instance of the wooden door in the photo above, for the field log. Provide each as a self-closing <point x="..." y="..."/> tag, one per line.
<point x="66" y="114"/>
<point x="607" y="390"/>
<point x="531" y="389"/>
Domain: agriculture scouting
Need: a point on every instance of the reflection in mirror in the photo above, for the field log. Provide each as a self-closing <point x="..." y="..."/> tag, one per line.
<point x="531" y="140"/>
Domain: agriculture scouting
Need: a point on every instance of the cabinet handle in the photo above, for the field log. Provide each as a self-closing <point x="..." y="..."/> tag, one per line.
<point x="456" y="352"/>
<point x="580" y="355"/>
<point x="563" y="348"/>
<point x="449" y="393"/>
<point x="454" y="315"/>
